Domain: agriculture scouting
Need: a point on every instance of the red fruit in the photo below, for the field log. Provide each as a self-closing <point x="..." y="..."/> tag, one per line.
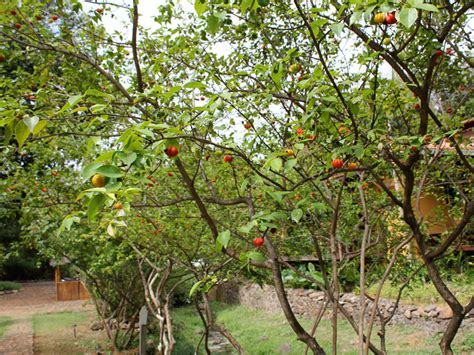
<point x="300" y="131"/>
<point x="438" y="53"/>
<point x="247" y="125"/>
<point x="202" y="98"/>
<point x="170" y="173"/>
<point x="118" y="206"/>
<point x="54" y="17"/>
<point x="449" y="51"/>
<point x="150" y="177"/>
<point x="258" y="242"/>
<point x="228" y="158"/>
<point x="39" y="17"/>
<point x="449" y="110"/>
<point x="17" y="26"/>
<point x="413" y="148"/>
<point x="426" y="139"/>
<point x="13" y="12"/>
<point x="44" y="189"/>
<point x="390" y="18"/>
<point x="99" y="10"/>
<point x="300" y="77"/>
<point x="436" y="61"/>
<point x="337" y="163"/>
<point x="171" y="151"/>
<point x="416" y="106"/>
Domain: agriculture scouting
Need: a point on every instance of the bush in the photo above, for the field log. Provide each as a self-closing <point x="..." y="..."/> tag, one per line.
<point x="9" y="285"/>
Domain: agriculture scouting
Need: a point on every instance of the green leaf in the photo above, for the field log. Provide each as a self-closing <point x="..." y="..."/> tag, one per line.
<point x="426" y="7"/>
<point x="246" y="4"/>
<point x="95" y="204"/>
<point x="276" y="164"/>
<point x="90" y="170"/>
<point x="31" y="122"/>
<point x="296" y="214"/>
<point x="255" y="255"/>
<point x="97" y="93"/>
<point x="21" y="133"/>
<point x="290" y="164"/>
<point x="223" y="240"/>
<point x="248" y="227"/>
<point x="40" y="126"/>
<point x="212" y="24"/>
<point x="194" y="85"/>
<point x="109" y="171"/>
<point x="408" y="16"/>
<point x="200" y="6"/>
<point x="127" y="158"/>
<point x="337" y="28"/>
<point x="195" y="286"/>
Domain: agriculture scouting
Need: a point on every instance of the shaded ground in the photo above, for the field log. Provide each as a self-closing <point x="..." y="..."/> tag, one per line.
<point x="33" y="299"/>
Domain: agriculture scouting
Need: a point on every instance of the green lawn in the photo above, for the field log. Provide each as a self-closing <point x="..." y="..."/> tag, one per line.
<point x="54" y="333"/>
<point x="5" y="322"/>
<point x="261" y="333"/>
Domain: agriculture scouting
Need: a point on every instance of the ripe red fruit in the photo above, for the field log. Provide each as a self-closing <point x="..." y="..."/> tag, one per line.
<point x="438" y="53"/>
<point x="54" y="17"/>
<point x="202" y="98"/>
<point x="13" y="12"/>
<point x="171" y="151"/>
<point x="99" y="10"/>
<point x="300" y="131"/>
<point x="17" y="26"/>
<point x="413" y="148"/>
<point x="416" y="106"/>
<point x="247" y="125"/>
<point x="170" y="173"/>
<point x="449" y="51"/>
<point x="449" y="110"/>
<point x="258" y="242"/>
<point x="426" y="139"/>
<point x="390" y="18"/>
<point x="44" y="189"/>
<point x="337" y="163"/>
<point x="228" y="158"/>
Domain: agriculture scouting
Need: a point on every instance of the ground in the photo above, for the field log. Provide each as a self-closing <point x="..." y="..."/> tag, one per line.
<point x="39" y="323"/>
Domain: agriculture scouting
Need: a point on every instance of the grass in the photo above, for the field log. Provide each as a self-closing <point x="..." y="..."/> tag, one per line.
<point x="462" y="287"/>
<point x="260" y="333"/>
<point x="9" y="285"/>
<point x="5" y="322"/>
<point x="54" y="333"/>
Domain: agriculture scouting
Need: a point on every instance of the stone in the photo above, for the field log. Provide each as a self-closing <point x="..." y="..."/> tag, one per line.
<point x="285" y="349"/>
<point x="433" y="314"/>
<point x="429" y="308"/>
<point x="412" y="307"/>
<point x="198" y="331"/>
<point x="445" y="313"/>
<point x="96" y="326"/>
<point x="417" y="313"/>
<point x="407" y="314"/>
<point x="313" y="295"/>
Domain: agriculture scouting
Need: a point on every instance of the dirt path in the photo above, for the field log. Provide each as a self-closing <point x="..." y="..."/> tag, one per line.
<point x="34" y="298"/>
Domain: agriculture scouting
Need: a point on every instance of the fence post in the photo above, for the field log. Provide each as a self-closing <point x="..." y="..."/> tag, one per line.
<point x="142" y="322"/>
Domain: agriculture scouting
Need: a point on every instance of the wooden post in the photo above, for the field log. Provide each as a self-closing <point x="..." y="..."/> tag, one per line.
<point x="142" y="322"/>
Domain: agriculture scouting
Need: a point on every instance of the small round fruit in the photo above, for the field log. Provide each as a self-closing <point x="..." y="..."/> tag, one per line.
<point x="228" y="158"/>
<point x="13" y="12"/>
<point x="170" y="173"/>
<point x="98" y="180"/>
<point x="44" y="189"/>
<point x="290" y="152"/>
<point x="294" y="68"/>
<point x="39" y="17"/>
<point x="386" y="41"/>
<point x="379" y="18"/>
<point x="202" y="98"/>
<point x="414" y="149"/>
<point x="99" y="10"/>
<point x="337" y="163"/>
<point x="439" y="53"/>
<point x="342" y="130"/>
<point x="426" y="139"/>
<point x="171" y="151"/>
<point x="17" y="26"/>
<point x="449" y="110"/>
<point x="352" y="166"/>
<point x="390" y="19"/>
<point x="247" y="125"/>
<point x="273" y="230"/>
<point x="300" y="77"/>
<point x="54" y="17"/>
<point x="118" y="206"/>
<point x="449" y="51"/>
<point x="258" y="242"/>
<point x="54" y="173"/>
<point x="300" y="131"/>
<point x="417" y="106"/>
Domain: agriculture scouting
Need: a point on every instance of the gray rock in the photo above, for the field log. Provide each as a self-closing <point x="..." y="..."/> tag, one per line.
<point x="434" y="313"/>
<point x="96" y="326"/>
<point x="407" y="314"/>
<point x="412" y="307"/>
<point x="429" y="308"/>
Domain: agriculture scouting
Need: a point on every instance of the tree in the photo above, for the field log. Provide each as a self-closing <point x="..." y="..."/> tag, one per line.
<point x="314" y="140"/>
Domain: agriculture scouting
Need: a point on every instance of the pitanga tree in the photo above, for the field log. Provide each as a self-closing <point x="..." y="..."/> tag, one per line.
<point x="289" y="136"/>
